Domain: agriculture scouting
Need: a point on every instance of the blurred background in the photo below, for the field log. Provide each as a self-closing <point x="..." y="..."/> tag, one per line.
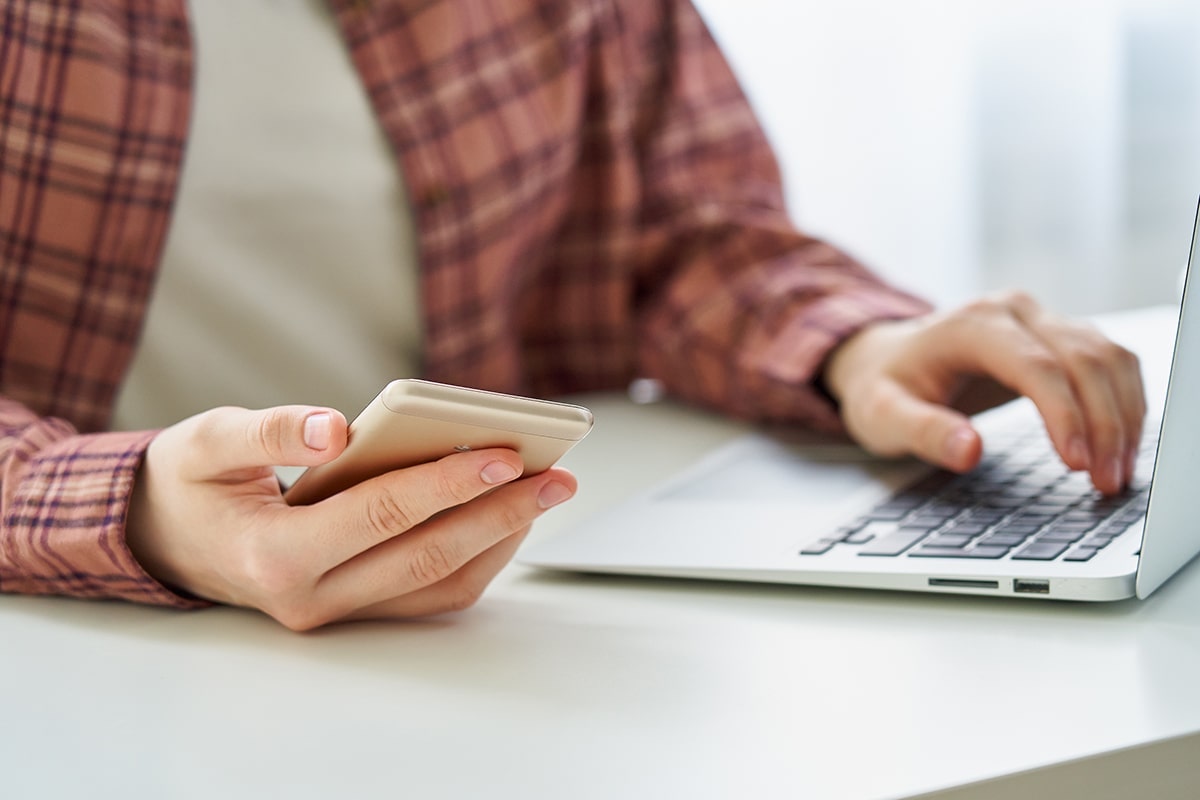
<point x="960" y="146"/>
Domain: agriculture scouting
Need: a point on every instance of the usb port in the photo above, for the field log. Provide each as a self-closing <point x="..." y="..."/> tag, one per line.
<point x="1031" y="586"/>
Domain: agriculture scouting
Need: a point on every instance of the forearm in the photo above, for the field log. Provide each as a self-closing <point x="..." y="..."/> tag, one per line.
<point x="754" y="344"/>
<point x="740" y="310"/>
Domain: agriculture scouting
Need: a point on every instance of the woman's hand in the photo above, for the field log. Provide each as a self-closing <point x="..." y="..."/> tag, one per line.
<point x="907" y="387"/>
<point x="207" y="517"/>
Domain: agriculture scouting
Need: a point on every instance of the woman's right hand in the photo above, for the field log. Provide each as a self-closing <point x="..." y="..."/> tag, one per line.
<point x="207" y="517"/>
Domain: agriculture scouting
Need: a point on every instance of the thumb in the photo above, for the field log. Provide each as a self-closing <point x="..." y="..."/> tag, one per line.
<point x="228" y="439"/>
<point x="930" y="431"/>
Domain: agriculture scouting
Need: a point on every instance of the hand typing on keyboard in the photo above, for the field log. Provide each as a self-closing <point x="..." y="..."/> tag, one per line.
<point x="908" y="387"/>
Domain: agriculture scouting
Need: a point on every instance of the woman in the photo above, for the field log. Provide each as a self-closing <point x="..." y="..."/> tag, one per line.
<point x="530" y="197"/>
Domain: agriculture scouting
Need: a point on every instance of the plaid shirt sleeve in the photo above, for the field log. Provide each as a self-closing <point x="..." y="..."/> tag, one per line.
<point x="64" y="498"/>
<point x="749" y="308"/>
<point x="594" y="199"/>
<point x="599" y="203"/>
<point x="91" y="122"/>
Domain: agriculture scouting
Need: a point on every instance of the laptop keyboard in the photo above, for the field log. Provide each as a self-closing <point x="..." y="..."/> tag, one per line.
<point x="1021" y="502"/>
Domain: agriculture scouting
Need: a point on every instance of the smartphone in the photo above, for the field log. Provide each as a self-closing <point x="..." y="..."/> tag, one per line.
<point x="414" y="421"/>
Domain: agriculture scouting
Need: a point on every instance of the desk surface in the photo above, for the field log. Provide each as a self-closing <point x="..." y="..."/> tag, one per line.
<point x="575" y="686"/>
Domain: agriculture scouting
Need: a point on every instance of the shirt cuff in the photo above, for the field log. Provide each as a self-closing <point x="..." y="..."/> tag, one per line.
<point x="797" y="353"/>
<point x="66" y="504"/>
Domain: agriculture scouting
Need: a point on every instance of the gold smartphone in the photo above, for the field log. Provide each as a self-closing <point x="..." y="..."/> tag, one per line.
<point x="414" y="421"/>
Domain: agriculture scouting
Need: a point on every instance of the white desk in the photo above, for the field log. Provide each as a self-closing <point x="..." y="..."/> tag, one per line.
<point x="586" y="687"/>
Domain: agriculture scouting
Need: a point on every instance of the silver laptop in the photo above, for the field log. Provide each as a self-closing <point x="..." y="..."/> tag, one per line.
<point x="767" y="509"/>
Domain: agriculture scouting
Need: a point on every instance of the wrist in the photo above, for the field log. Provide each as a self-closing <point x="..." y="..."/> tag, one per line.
<point x="147" y="548"/>
<point x="842" y="363"/>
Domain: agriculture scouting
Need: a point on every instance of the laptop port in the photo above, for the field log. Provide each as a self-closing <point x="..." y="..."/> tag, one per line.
<point x="964" y="583"/>
<point x="1031" y="586"/>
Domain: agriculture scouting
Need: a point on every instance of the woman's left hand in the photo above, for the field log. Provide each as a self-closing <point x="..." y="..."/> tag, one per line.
<point x="907" y="387"/>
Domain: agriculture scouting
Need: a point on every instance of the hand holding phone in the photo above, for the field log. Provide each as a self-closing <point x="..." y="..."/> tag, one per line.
<point x="414" y="421"/>
<point x="206" y="517"/>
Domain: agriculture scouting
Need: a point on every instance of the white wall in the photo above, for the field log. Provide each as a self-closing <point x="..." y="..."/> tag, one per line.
<point x="964" y="146"/>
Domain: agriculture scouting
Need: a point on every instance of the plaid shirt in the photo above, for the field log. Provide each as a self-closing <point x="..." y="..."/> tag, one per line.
<point x="594" y="200"/>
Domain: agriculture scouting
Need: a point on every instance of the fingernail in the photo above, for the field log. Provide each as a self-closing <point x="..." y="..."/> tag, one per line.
<point x="498" y="472"/>
<point x="318" y="430"/>
<point x="552" y="494"/>
<point x="1077" y="452"/>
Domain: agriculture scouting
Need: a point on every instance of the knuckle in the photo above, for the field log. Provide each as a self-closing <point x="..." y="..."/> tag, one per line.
<point x="1090" y="357"/>
<point x="510" y="517"/>
<point x="387" y="515"/>
<point x="281" y="585"/>
<point x="1127" y="359"/>
<point x="979" y="307"/>
<point x="1108" y="430"/>
<point x="298" y="617"/>
<point x="980" y="317"/>
<point x="1040" y="360"/>
<point x="203" y="430"/>
<point x="462" y="596"/>
<point x="1141" y="408"/>
<point x="450" y="485"/>
<point x="990" y="305"/>
<point x="1019" y="300"/>
<point x="266" y="434"/>
<point x="875" y="404"/>
<point x="271" y="573"/>
<point x="430" y="563"/>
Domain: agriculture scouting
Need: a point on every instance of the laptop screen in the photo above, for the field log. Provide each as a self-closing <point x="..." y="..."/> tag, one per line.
<point x="1172" y="533"/>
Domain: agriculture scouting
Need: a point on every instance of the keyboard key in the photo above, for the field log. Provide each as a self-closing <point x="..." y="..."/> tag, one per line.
<point x="1017" y="528"/>
<point x="1040" y="551"/>
<point x="859" y="537"/>
<point x="1003" y="501"/>
<point x="891" y="512"/>
<point x="1081" y="553"/>
<point x="894" y="543"/>
<point x="932" y="482"/>
<point x="1021" y="500"/>
<point x="819" y="547"/>
<point x="1004" y="539"/>
<point x="949" y="539"/>
<point x="929" y="521"/>
<point x="1062" y="537"/>
<point x="857" y="533"/>
<point x="961" y="528"/>
<point x="983" y="551"/>
<point x="940" y="509"/>
<point x="1070" y="525"/>
<point x="986" y="514"/>
<point x="1102" y="505"/>
<point x="1043" y="506"/>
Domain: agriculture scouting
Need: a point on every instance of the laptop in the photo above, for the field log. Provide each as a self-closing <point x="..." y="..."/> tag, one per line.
<point x="771" y="508"/>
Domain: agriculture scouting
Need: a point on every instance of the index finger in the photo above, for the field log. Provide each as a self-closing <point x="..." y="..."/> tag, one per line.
<point x="1107" y="379"/>
<point x="376" y="510"/>
<point x="1003" y="348"/>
